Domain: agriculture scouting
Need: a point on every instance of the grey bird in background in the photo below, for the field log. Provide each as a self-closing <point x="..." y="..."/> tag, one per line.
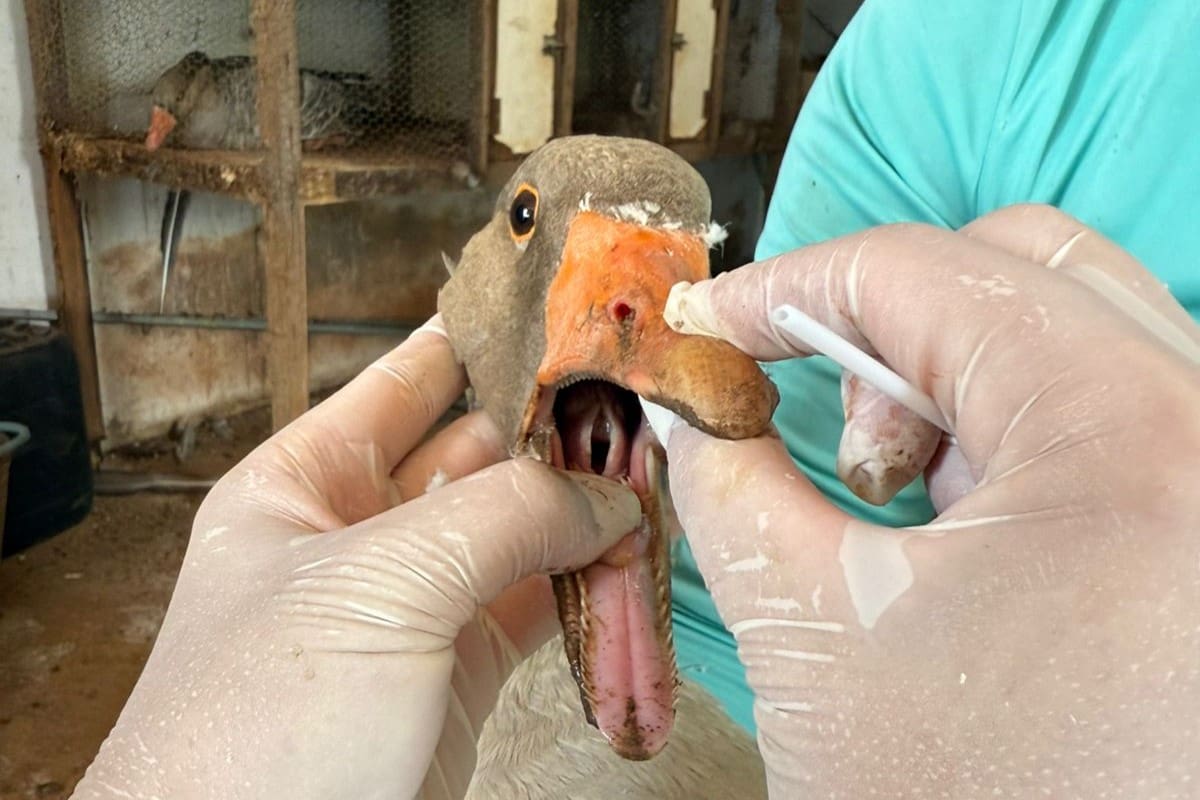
<point x="203" y="103"/>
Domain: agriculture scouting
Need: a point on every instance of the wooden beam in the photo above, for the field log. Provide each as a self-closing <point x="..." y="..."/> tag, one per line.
<point x="716" y="92"/>
<point x="567" y="31"/>
<point x="285" y="275"/>
<point x="74" y="290"/>
<point x="664" y="68"/>
<point x="228" y="172"/>
<point x="327" y="179"/>
<point x="43" y="20"/>
<point x="790" y="85"/>
<point x="324" y="177"/>
<point x="479" y="145"/>
<point x="62" y="207"/>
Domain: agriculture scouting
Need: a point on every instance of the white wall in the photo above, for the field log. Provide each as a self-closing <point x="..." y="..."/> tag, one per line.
<point x="26" y="266"/>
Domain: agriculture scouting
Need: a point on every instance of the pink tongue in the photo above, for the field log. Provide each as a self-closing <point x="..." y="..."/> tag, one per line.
<point x="632" y="675"/>
<point x="628" y="669"/>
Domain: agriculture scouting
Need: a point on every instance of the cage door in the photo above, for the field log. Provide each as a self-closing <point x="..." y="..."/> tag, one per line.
<point x="524" y="78"/>
<point x="693" y="46"/>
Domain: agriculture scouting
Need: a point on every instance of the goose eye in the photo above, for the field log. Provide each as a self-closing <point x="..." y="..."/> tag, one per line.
<point x="522" y="216"/>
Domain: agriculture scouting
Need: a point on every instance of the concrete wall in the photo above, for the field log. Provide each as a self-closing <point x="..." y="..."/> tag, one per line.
<point x="26" y="267"/>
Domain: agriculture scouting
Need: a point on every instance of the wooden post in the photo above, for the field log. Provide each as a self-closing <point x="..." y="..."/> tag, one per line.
<point x="284" y="266"/>
<point x="74" y="290"/>
<point x="482" y="121"/>
<point x="62" y="207"/>
<point x="567" y="31"/>
<point x="664" y="69"/>
<point x="790" y="84"/>
<point x="716" y="94"/>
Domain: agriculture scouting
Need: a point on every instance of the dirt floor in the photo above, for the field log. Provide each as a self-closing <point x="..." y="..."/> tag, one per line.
<point x="79" y="612"/>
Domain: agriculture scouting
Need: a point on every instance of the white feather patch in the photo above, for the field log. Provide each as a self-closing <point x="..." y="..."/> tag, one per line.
<point x="649" y="213"/>
<point x="714" y="234"/>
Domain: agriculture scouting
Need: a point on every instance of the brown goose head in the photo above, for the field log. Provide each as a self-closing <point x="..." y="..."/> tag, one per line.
<point x="555" y="309"/>
<point x="176" y="94"/>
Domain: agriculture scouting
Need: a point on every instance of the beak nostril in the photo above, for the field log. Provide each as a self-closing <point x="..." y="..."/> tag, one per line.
<point x="621" y="311"/>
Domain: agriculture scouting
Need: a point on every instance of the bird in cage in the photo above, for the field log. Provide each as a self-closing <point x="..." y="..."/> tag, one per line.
<point x="556" y="311"/>
<point x="205" y="103"/>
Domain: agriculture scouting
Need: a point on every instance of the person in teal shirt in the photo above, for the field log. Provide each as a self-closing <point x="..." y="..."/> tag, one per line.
<point x="941" y="111"/>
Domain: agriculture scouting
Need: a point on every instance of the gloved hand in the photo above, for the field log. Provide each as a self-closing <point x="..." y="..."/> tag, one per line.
<point x="327" y="636"/>
<point x="1042" y="634"/>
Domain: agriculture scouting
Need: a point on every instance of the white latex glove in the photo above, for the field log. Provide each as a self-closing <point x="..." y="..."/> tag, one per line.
<point x="326" y="637"/>
<point x="1041" y="637"/>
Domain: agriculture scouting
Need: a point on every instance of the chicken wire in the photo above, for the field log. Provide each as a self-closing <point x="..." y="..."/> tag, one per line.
<point x="400" y="75"/>
<point x="420" y="64"/>
<point x="617" y="68"/>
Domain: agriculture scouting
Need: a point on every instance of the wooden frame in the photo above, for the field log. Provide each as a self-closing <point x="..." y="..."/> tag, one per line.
<point x="567" y="32"/>
<point x="283" y="180"/>
<point x="66" y="221"/>
<point x="278" y="177"/>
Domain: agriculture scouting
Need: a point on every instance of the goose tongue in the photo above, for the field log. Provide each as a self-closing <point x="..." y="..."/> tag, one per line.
<point x="616" y="612"/>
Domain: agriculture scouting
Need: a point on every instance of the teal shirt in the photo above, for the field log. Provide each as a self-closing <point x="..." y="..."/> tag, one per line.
<point x="940" y="111"/>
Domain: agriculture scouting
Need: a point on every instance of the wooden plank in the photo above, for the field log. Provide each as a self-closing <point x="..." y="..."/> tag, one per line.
<point x="74" y="290"/>
<point x="567" y="32"/>
<point x="333" y="179"/>
<point x="74" y="301"/>
<point x="285" y="276"/>
<point x="692" y="150"/>
<point x="227" y="172"/>
<point x="482" y="119"/>
<point x="43" y="20"/>
<point x="790" y="83"/>
<point x="662" y="83"/>
<point x="716" y="94"/>
<point x="324" y="178"/>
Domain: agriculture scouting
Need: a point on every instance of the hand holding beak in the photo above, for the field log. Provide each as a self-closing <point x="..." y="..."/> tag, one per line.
<point x="1017" y="641"/>
<point x="355" y="594"/>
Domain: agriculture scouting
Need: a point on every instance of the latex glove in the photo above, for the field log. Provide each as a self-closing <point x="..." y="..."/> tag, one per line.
<point x="325" y="638"/>
<point x="1041" y="637"/>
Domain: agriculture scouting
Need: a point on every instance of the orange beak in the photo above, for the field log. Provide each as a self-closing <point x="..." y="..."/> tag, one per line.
<point x="162" y="122"/>
<point x="604" y="319"/>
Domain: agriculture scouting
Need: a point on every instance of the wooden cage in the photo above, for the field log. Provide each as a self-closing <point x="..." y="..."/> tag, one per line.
<point x="462" y="89"/>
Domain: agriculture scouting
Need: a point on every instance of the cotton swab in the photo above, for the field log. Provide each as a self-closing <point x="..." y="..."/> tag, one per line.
<point x="820" y="339"/>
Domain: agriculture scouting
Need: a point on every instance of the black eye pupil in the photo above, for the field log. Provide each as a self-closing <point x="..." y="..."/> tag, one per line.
<point x="521" y="215"/>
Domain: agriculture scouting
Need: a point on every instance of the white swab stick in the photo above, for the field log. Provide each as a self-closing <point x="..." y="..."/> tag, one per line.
<point x="816" y="337"/>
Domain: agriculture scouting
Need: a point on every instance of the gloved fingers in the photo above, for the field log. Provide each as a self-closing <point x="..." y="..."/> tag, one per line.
<point x="527" y="612"/>
<point x="332" y="467"/>
<point x="762" y="535"/>
<point x="466" y="445"/>
<point x="987" y="335"/>
<point x="425" y="567"/>
<point x="1045" y="235"/>
<point x="396" y="400"/>
<point x="884" y="446"/>
<point x="949" y="476"/>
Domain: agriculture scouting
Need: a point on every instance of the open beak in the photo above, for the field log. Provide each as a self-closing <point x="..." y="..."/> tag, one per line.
<point x="162" y="122"/>
<point x="605" y="341"/>
<point x="604" y="318"/>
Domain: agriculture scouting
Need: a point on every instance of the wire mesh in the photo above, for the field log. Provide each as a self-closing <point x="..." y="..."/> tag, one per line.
<point x="410" y="70"/>
<point x="617" y="70"/>
<point x="375" y="75"/>
<point x="102" y="58"/>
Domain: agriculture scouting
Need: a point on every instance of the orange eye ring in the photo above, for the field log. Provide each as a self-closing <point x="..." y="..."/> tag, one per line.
<point x="522" y="214"/>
